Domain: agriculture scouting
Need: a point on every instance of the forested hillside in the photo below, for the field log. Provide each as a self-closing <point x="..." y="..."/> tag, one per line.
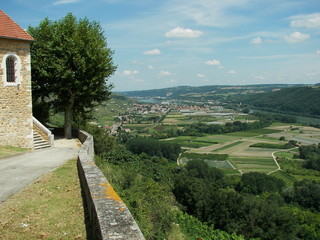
<point x="213" y="90"/>
<point x="298" y="100"/>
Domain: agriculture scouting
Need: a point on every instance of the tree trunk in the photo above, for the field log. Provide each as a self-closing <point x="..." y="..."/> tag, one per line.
<point x="68" y="117"/>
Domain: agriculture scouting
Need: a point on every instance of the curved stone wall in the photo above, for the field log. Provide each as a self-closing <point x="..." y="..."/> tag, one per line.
<point x="107" y="217"/>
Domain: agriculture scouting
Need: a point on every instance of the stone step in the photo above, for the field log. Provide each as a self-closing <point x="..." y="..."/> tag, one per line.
<point x="40" y="146"/>
<point x="38" y="142"/>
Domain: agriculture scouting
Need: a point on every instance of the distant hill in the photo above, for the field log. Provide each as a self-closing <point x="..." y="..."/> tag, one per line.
<point x="105" y="113"/>
<point x="303" y="101"/>
<point x="205" y="91"/>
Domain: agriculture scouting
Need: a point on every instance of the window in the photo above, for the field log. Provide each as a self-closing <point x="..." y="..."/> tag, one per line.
<point x="11" y="69"/>
<point x="11" y="65"/>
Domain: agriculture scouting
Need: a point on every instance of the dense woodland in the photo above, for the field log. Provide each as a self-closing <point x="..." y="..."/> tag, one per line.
<point x="312" y="156"/>
<point x="185" y="92"/>
<point x="254" y="207"/>
<point x="297" y="100"/>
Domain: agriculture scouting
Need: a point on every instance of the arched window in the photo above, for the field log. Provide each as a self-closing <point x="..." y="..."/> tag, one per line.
<point x="11" y="69"/>
<point x="11" y="74"/>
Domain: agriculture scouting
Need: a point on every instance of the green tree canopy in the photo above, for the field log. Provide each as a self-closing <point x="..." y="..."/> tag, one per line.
<point x="70" y="64"/>
<point x="257" y="183"/>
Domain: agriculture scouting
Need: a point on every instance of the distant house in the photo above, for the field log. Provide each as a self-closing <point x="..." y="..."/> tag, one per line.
<point x="16" y="121"/>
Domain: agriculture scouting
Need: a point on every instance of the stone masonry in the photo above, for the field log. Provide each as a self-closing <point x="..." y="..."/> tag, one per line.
<point x="15" y="100"/>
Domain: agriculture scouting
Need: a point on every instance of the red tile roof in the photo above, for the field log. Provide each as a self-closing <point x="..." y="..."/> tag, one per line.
<point x="10" y="29"/>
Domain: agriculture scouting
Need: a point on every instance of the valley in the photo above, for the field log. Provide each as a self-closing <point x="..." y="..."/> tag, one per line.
<point x="168" y="118"/>
<point x="218" y="159"/>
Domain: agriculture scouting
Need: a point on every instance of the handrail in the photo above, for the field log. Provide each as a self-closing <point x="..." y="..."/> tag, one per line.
<point x="45" y="131"/>
<point x="43" y="128"/>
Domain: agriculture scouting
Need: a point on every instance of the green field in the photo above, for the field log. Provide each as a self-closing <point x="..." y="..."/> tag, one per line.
<point x="254" y="132"/>
<point x="219" y="164"/>
<point x="192" y="142"/>
<point x="213" y="163"/>
<point x="228" y="146"/>
<point x="287" y="178"/>
<point x="270" y="145"/>
<point x="284" y="154"/>
<point x="294" y="166"/>
<point x="250" y="164"/>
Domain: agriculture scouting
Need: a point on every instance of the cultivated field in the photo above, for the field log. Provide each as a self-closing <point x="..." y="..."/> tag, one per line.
<point x="247" y="159"/>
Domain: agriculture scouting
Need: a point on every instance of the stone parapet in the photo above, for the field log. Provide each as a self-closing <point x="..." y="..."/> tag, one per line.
<point x="107" y="215"/>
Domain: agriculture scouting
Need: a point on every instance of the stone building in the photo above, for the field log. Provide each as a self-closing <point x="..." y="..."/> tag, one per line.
<point x="16" y="123"/>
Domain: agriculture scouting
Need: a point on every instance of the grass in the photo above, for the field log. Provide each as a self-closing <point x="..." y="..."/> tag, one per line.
<point x="285" y="177"/>
<point x="228" y="146"/>
<point x="283" y="154"/>
<point x="8" y="150"/>
<point x="192" y="142"/>
<point x="280" y="124"/>
<point x="252" y="164"/>
<point x="254" y="132"/>
<point x="214" y="163"/>
<point x="219" y="164"/>
<point x="270" y="145"/>
<point x="231" y="171"/>
<point x="49" y="208"/>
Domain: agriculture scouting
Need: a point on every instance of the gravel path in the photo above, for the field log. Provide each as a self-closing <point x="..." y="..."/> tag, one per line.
<point x="16" y="172"/>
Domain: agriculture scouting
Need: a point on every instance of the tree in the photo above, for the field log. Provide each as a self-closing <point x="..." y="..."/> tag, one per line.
<point x="70" y="65"/>
<point x="257" y="183"/>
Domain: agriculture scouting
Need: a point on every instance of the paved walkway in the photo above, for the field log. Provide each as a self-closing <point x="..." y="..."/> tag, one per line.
<point x="19" y="171"/>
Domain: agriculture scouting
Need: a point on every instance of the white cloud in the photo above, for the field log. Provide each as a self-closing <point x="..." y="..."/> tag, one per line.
<point x="173" y="81"/>
<point x="165" y="73"/>
<point x="59" y="2"/>
<point x="296" y="37"/>
<point x="213" y="62"/>
<point x="152" y="52"/>
<point x="318" y="52"/>
<point x="150" y="67"/>
<point x="232" y="72"/>
<point x="256" y="40"/>
<point x="307" y="20"/>
<point x="200" y="75"/>
<point x="259" y="77"/>
<point x="130" y="72"/>
<point x="179" y="32"/>
<point x="209" y="12"/>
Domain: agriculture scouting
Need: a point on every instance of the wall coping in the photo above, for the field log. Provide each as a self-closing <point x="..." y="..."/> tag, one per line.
<point x="107" y="214"/>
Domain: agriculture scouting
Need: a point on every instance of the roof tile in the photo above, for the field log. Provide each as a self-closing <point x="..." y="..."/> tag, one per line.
<point x="10" y="29"/>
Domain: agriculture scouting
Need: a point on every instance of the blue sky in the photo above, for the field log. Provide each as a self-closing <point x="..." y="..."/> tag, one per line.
<point x="166" y="43"/>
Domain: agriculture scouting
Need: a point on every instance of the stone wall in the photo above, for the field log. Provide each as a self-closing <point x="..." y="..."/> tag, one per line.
<point x="15" y="100"/>
<point x="107" y="215"/>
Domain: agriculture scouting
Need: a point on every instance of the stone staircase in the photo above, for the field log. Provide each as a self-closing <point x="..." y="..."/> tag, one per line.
<point x="38" y="142"/>
<point x="42" y="136"/>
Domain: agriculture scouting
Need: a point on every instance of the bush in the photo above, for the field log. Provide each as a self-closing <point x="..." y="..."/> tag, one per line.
<point x="103" y="142"/>
<point x="154" y="147"/>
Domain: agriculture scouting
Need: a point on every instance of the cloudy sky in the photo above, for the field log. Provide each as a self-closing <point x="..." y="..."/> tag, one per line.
<point x="165" y="43"/>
